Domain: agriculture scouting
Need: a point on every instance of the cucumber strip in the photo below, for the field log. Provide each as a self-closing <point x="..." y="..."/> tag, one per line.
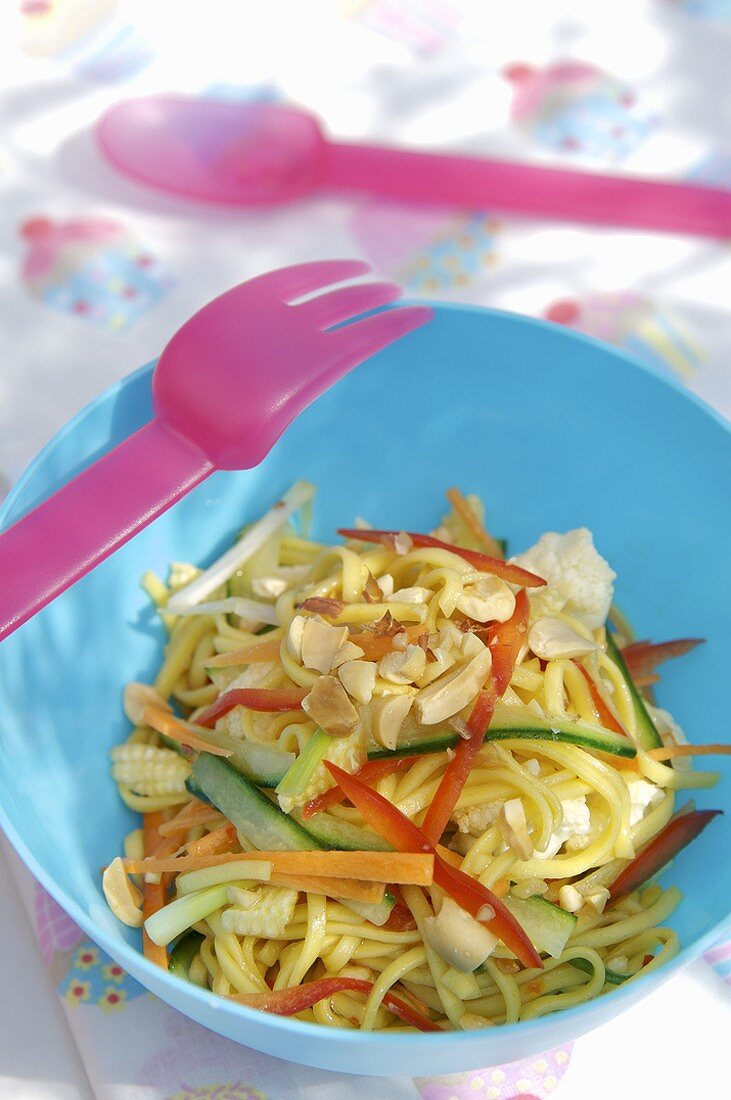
<point x="511" y="723"/>
<point x="647" y="736"/>
<point x="377" y="913"/>
<point x="547" y="926"/>
<point x="612" y="977"/>
<point x="303" y="768"/>
<point x="252" y="814"/>
<point x="183" y="953"/>
<point x="334" y="834"/>
<point x="263" y="764"/>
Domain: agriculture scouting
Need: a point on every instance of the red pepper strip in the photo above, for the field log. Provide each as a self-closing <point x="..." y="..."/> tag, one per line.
<point x="606" y="717"/>
<point x="484" y="562"/>
<point x="388" y="820"/>
<point x="368" y="773"/>
<point x="504" y="641"/>
<point x="678" y="832"/>
<point x="642" y="658"/>
<point x="287" y="1002"/>
<point x="267" y="700"/>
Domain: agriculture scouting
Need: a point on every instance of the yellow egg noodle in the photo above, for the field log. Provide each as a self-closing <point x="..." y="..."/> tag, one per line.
<point x="540" y="817"/>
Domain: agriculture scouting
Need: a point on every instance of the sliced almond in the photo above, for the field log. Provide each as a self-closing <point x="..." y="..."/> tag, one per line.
<point x="320" y="643"/>
<point x="416" y="594"/>
<point x="347" y="652"/>
<point x="551" y="639"/>
<point x="358" y="678"/>
<point x="123" y="897"/>
<point x="294" y="636"/>
<point x="385" y="583"/>
<point x="329" y="706"/>
<point x="387" y="717"/>
<point x="453" y="691"/>
<point x="488" y="599"/>
<point x="403" y="667"/>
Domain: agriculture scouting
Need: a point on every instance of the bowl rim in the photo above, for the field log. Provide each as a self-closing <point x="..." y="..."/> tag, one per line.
<point x="132" y="958"/>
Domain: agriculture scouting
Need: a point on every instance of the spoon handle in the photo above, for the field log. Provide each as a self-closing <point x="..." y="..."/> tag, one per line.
<point x="72" y="531"/>
<point x="501" y="186"/>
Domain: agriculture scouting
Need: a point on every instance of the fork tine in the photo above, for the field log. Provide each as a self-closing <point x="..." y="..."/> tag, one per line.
<point x="350" y="301"/>
<point x="291" y="282"/>
<point x="364" y="338"/>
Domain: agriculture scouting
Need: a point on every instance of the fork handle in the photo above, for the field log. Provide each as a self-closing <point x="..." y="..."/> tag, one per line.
<point x="90" y="517"/>
<point x="558" y="193"/>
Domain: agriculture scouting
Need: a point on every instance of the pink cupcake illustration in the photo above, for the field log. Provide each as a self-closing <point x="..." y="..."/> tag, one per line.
<point x="91" y="268"/>
<point x="531" y="1079"/>
<point x="574" y="107"/>
<point x="634" y="323"/>
<point x="427" y="250"/>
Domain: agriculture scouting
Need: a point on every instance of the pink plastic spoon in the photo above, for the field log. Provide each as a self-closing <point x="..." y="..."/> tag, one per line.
<point x="225" y="387"/>
<point x="244" y="154"/>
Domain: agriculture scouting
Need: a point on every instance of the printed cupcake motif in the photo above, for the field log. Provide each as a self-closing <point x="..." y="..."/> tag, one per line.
<point x="575" y="107"/>
<point x="93" y="269"/>
<point x="530" y="1079"/>
<point x="426" y="250"/>
<point x="634" y="323"/>
<point x="425" y="26"/>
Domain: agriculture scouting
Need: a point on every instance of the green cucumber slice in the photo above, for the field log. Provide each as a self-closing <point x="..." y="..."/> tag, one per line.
<point x="334" y="834"/>
<point x="511" y="723"/>
<point x="250" y="811"/>
<point x="548" y="927"/>
<point x="647" y="736"/>
<point x="183" y="953"/>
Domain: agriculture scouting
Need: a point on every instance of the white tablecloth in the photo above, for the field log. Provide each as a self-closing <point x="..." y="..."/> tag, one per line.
<point x="96" y="274"/>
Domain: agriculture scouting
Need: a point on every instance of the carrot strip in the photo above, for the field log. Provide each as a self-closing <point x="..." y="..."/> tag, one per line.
<point x="249" y="655"/>
<point x="606" y="718"/>
<point x="411" y="868"/>
<point x="172" y="727"/>
<point x="461" y="505"/>
<point x="193" y="814"/>
<point x="369" y="892"/>
<point x="515" y="574"/>
<point x="220" y="840"/>
<point x="153" y="893"/>
<point x="669" y="752"/>
<point x="368" y="773"/>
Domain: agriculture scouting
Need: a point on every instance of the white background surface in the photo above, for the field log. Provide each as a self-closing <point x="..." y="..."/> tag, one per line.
<point x="676" y="1043"/>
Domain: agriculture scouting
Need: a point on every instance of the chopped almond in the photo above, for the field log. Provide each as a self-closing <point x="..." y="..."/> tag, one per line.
<point x="328" y="705"/>
<point x="320" y="643"/>
<point x="387" y="717"/>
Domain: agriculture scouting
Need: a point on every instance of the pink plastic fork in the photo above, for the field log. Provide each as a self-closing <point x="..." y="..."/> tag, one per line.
<point x="225" y="387"/>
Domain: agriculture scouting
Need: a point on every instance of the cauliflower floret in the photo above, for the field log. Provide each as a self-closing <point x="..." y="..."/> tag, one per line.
<point x="670" y="734"/>
<point x="642" y="796"/>
<point x="574" y="830"/>
<point x="579" y="579"/>
<point x="348" y="753"/>
<point x="475" y="819"/>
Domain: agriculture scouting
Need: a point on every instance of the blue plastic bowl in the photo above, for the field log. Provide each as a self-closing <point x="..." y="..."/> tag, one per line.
<point x="554" y="431"/>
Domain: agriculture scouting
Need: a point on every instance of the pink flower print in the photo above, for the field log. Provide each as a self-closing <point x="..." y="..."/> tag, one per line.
<point x="534" y="1078"/>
